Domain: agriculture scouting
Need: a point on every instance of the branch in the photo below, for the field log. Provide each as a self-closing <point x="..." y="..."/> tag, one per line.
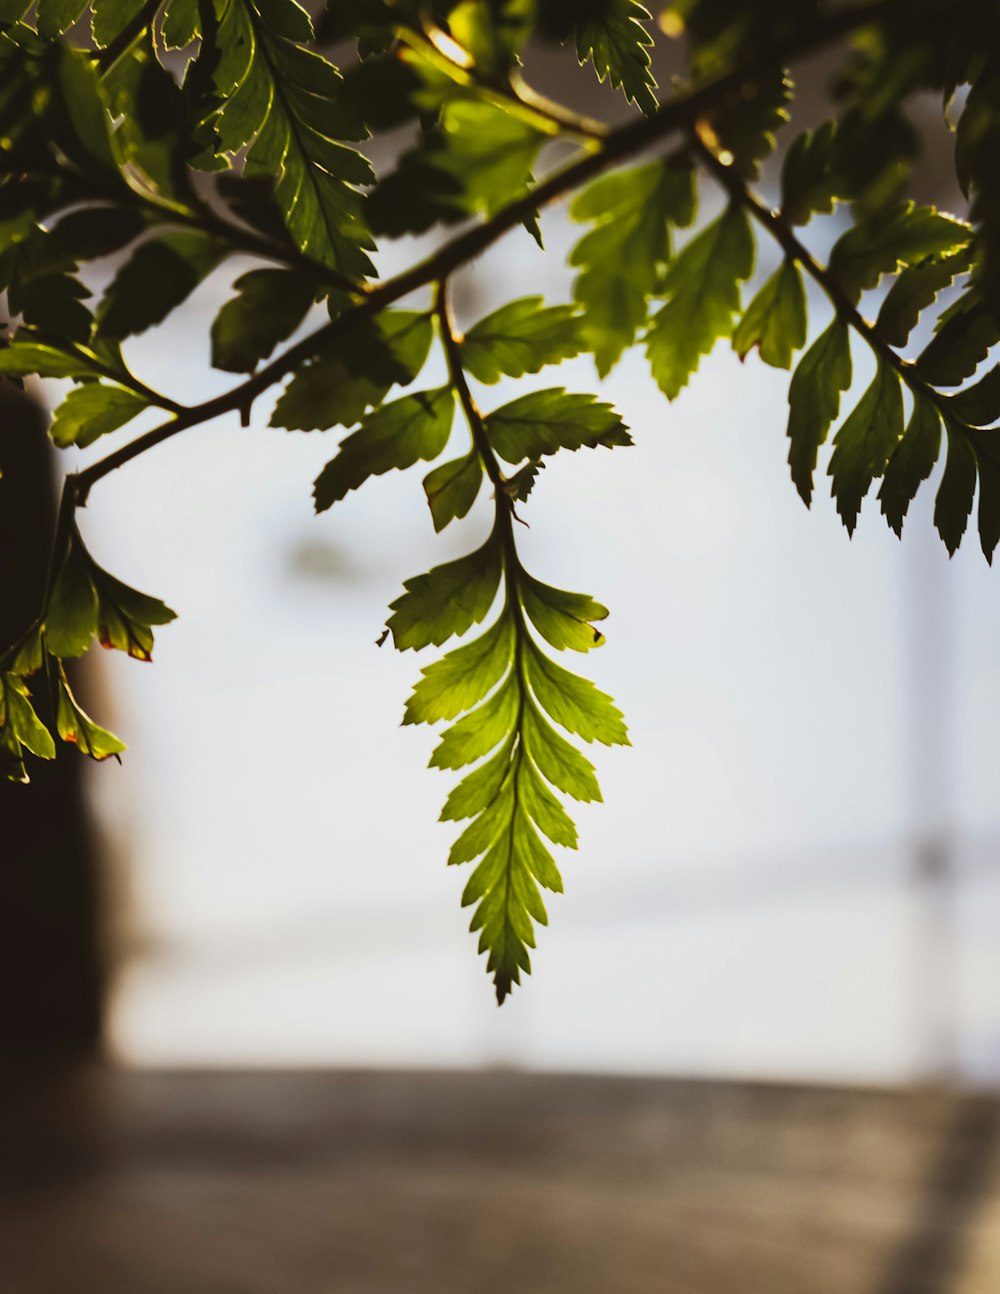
<point x="480" y="441"/>
<point x="619" y="146"/>
<point x="795" y="250"/>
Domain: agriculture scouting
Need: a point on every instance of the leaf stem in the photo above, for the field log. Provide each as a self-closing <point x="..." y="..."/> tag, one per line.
<point x="741" y="194"/>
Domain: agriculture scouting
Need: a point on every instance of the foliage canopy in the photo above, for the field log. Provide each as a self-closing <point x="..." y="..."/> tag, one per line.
<point x="175" y="135"/>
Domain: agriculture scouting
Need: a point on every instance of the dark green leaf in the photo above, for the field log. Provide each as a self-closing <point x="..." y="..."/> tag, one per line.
<point x="398" y="435"/>
<point x="356" y="373"/>
<point x="53" y="17"/>
<point x="978" y="405"/>
<point x="911" y="462"/>
<point x="267" y="308"/>
<point x="916" y="289"/>
<point x="159" y="276"/>
<point x="822" y="374"/>
<point x="547" y="421"/>
<point x="811" y="180"/>
<point x="111" y="17"/>
<point x="964" y="336"/>
<point x="864" y="443"/>
<point x="904" y="235"/>
<point x="957" y="489"/>
<point x="618" y="45"/>
<point x="987" y="451"/>
<point x="747" y="128"/>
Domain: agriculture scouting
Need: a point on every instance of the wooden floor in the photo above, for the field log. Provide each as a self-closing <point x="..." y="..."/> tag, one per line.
<point x="494" y="1183"/>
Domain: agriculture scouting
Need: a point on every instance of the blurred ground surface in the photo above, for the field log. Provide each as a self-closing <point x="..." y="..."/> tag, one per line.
<point x="406" y="1183"/>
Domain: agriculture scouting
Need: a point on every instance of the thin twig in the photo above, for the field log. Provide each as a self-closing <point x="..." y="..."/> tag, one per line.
<point x="795" y="250"/>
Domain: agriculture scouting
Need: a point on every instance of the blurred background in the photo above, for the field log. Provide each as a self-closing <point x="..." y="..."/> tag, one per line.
<point x="777" y="959"/>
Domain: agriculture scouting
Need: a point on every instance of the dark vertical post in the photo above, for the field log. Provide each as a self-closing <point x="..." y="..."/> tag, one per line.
<point x="50" y="975"/>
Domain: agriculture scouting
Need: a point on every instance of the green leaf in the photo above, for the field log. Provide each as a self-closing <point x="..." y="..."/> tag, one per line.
<point x="978" y="405"/>
<point x="463" y="677"/>
<point x="563" y="619"/>
<point x="519" y="486"/>
<point x="864" y="443"/>
<point x="558" y="760"/>
<point x="821" y="376"/>
<point x="75" y="725"/>
<point x="287" y="102"/>
<point x="54" y="17"/>
<point x="904" y="235"/>
<point x="911" y="462"/>
<point x="489" y="151"/>
<point x="811" y="179"/>
<point x="480" y="787"/>
<point x="92" y="410"/>
<point x="621" y="259"/>
<point x="546" y="421"/>
<point x="964" y="335"/>
<point x="21" y="358"/>
<point x="125" y="617"/>
<point x="491" y="31"/>
<point x="181" y="23"/>
<point x="574" y="702"/>
<point x="618" y="45"/>
<point x="519" y="338"/>
<point x="71" y="618"/>
<point x="111" y="17"/>
<point x="479" y="731"/>
<point x="267" y="308"/>
<point x="447" y="600"/>
<point x="452" y="488"/>
<point x="159" y="276"/>
<point x="17" y="714"/>
<point x="747" y="128"/>
<point x="914" y="290"/>
<point x="396" y="436"/>
<point x="702" y="285"/>
<point x="356" y="372"/>
<point x="957" y="489"/>
<point x="775" y="320"/>
<point x="476" y="161"/>
<point x="29" y="656"/>
<point x="984" y="445"/>
<point x="87" y="600"/>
